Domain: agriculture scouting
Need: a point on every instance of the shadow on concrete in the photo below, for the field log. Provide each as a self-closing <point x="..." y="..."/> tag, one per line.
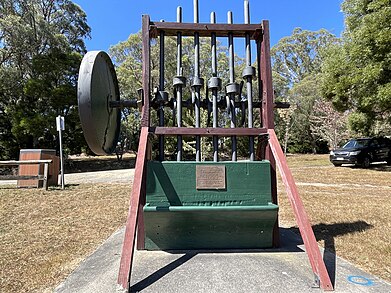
<point x="327" y="233"/>
<point x="289" y="243"/>
<point x="156" y="276"/>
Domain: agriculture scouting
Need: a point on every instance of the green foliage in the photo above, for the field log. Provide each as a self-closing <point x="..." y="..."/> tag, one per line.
<point x="357" y="73"/>
<point x="359" y="123"/>
<point x="297" y="60"/>
<point x="299" y="55"/>
<point x="40" y="53"/>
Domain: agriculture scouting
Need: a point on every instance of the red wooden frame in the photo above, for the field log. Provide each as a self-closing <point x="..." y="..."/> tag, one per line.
<point x="135" y="219"/>
<point x="311" y="246"/>
<point x="273" y="151"/>
<point x="267" y="110"/>
<point x="208" y="131"/>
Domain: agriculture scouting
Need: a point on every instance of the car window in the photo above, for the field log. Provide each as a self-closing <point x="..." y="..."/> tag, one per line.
<point x="356" y="143"/>
<point x="375" y="142"/>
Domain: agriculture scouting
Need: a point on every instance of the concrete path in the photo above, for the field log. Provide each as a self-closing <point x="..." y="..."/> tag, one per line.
<point x="284" y="270"/>
<point x="114" y="176"/>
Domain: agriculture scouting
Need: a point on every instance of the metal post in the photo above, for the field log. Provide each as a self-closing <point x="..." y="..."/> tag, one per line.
<point x="45" y="176"/>
<point x="61" y="162"/>
<point x="179" y="83"/>
<point x="214" y="84"/>
<point x="232" y="88"/>
<point x="161" y="89"/>
<point x="248" y="74"/>
<point x="197" y="82"/>
<point x="61" y="126"/>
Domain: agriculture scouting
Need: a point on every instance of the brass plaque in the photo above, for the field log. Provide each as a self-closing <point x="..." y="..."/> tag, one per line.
<point x="210" y="177"/>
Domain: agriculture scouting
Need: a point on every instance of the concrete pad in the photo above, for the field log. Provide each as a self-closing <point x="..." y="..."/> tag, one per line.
<point x="282" y="270"/>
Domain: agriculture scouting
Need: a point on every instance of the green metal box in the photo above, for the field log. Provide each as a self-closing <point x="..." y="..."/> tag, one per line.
<point x="180" y="214"/>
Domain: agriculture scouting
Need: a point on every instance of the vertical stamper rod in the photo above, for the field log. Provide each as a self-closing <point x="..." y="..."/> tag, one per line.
<point x="248" y="75"/>
<point x="232" y="88"/>
<point x="214" y="84"/>
<point x="198" y="82"/>
<point x="179" y="82"/>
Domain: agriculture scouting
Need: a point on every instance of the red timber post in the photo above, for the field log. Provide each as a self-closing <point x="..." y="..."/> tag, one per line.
<point x="275" y="155"/>
<point x="266" y="112"/>
<point x="135" y="215"/>
<point x="311" y="246"/>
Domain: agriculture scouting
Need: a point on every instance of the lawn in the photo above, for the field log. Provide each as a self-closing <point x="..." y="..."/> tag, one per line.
<point x="349" y="208"/>
<point x="45" y="234"/>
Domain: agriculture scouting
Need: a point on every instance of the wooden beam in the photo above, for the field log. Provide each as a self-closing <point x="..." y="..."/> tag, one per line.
<point x="146" y="74"/>
<point x="43" y="177"/>
<point x="206" y="29"/>
<point x="265" y="79"/>
<point x="24" y="162"/>
<point x="134" y="210"/>
<point x="186" y="131"/>
<point x="21" y="177"/>
<point x="311" y="246"/>
<point x="267" y="109"/>
<point x="140" y="224"/>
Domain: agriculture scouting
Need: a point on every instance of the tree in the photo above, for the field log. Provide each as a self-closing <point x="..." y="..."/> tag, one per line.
<point x="329" y="124"/>
<point x="296" y="62"/>
<point x="41" y="42"/>
<point x="299" y="55"/>
<point x="357" y="72"/>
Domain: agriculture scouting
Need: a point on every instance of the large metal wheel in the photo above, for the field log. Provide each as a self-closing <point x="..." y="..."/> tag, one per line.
<point x="97" y="87"/>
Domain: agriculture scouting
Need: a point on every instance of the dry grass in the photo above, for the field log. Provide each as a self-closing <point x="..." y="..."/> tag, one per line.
<point x="45" y="234"/>
<point x="349" y="208"/>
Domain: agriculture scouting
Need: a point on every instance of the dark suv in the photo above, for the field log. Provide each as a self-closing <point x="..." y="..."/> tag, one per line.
<point x="362" y="152"/>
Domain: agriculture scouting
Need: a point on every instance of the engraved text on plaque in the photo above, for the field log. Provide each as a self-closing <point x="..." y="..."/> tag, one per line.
<point x="210" y="177"/>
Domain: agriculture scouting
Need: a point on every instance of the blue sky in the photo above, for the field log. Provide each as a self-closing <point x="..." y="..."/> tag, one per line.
<point x="113" y="21"/>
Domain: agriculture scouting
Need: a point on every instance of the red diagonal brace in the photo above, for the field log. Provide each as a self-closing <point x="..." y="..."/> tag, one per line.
<point x="311" y="246"/>
<point x="134" y="209"/>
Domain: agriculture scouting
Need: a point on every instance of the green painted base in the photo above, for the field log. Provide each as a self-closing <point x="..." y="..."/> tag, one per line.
<point x="180" y="216"/>
<point x="209" y="227"/>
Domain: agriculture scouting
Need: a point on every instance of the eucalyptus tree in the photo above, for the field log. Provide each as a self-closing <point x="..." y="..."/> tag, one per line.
<point x="41" y="44"/>
<point x="297" y="61"/>
<point x="357" y="73"/>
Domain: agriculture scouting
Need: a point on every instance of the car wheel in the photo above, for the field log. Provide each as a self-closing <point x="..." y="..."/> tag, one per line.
<point x="337" y="165"/>
<point x="366" y="162"/>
